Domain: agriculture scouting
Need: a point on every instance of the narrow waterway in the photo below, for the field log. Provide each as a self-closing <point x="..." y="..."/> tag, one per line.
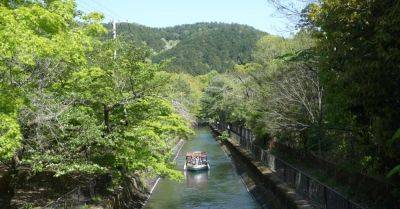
<point x="220" y="187"/>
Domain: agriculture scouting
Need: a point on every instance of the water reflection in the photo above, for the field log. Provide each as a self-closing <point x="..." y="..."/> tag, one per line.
<point x="197" y="179"/>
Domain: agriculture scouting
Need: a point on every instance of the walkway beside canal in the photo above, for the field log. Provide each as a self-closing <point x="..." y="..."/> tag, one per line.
<point x="292" y="186"/>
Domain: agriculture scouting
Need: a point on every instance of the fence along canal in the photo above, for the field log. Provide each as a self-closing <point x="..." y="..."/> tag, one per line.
<point x="319" y="194"/>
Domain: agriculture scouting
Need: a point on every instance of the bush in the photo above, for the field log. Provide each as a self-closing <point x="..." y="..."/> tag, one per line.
<point x="224" y="136"/>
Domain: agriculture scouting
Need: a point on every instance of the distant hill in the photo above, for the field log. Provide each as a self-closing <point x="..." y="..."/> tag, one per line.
<point x="197" y="48"/>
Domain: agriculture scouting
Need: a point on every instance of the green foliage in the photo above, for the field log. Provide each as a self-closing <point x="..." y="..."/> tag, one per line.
<point x="28" y="206"/>
<point x="395" y="137"/>
<point x="147" y="145"/>
<point x="359" y="59"/>
<point x="97" y="199"/>
<point x="224" y="136"/>
<point x="198" y="48"/>
<point x="395" y="170"/>
<point x="332" y="89"/>
<point x="35" y="39"/>
<point x="252" y="93"/>
<point x="185" y="91"/>
<point x="94" y="84"/>
<point x="79" y="133"/>
<point x="211" y="102"/>
<point x="10" y="137"/>
<point x="68" y="106"/>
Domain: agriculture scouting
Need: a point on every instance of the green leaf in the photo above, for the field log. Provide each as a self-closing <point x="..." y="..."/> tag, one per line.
<point x="395" y="137"/>
<point x="10" y="137"/>
<point x="394" y="171"/>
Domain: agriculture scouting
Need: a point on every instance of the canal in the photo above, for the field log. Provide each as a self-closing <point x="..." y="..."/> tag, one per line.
<point x="221" y="187"/>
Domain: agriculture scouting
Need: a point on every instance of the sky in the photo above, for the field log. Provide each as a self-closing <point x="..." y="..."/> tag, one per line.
<point x="162" y="13"/>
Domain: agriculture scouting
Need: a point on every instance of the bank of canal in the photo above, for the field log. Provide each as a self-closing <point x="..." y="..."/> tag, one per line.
<point x="220" y="188"/>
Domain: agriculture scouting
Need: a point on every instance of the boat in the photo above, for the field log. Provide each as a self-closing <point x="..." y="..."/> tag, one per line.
<point x="196" y="161"/>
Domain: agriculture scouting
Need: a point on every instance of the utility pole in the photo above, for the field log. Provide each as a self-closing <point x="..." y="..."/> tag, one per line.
<point x="106" y="108"/>
<point x="114" y="31"/>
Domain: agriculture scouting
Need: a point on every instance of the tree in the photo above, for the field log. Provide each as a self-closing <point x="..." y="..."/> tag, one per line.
<point x="296" y="101"/>
<point x="69" y="107"/>
<point x="360" y="56"/>
<point x="41" y="44"/>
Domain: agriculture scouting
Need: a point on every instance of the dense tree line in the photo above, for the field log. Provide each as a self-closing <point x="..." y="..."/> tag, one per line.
<point x="71" y="107"/>
<point x="331" y="90"/>
<point x="196" y="48"/>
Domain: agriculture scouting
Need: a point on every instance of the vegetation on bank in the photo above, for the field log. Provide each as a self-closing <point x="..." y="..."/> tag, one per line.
<point x="331" y="90"/>
<point x="70" y="107"/>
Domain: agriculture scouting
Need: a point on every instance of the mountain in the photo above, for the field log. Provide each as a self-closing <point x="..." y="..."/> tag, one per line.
<point x="195" y="48"/>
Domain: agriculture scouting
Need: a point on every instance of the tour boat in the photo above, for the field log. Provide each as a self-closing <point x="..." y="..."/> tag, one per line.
<point x="196" y="161"/>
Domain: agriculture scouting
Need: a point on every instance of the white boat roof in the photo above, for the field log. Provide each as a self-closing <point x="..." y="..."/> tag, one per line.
<point x="196" y="154"/>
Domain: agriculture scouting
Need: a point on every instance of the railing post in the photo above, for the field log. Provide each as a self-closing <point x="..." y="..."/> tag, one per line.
<point x="79" y="191"/>
<point x="325" y="198"/>
<point x="308" y="187"/>
<point x="284" y="172"/>
<point x="262" y="156"/>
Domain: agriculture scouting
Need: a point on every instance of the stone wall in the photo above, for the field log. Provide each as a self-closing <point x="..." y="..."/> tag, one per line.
<point x="278" y="194"/>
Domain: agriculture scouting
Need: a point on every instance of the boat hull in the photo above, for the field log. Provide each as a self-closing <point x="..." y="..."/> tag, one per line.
<point x="189" y="167"/>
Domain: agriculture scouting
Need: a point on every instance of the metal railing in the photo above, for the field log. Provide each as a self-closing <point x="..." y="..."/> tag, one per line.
<point x="319" y="194"/>
<point x="74" y="199"/>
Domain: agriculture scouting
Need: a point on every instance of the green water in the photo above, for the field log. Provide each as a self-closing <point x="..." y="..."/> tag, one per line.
<point x="218" y="188"/>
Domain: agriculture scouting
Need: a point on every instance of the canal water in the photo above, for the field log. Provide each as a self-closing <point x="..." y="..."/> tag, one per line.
<point x="218" y="188"/>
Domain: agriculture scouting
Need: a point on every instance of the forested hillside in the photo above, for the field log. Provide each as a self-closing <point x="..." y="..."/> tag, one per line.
<point x="195" y="48"/>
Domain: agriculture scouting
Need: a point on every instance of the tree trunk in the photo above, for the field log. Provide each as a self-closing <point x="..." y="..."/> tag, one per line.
<point x="352" y="155"/>
<point x="304" y="137"/>
<point x="320" y="138"/>
<point x="107" y="118"/>
<point x="6" y="190"/>
<point x="8" y="183"/>
<point x="126" y="116"/>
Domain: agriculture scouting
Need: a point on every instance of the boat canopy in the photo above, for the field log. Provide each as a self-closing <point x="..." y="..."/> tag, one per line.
<point x="196" y="154"/>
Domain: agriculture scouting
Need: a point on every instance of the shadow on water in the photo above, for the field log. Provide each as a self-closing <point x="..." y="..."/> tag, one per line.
<point x="220" y="187"/>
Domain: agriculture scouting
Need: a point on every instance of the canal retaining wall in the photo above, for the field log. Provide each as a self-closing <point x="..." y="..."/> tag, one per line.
<point x="134" y="192"/>
<point x="264" y="197"/>
<point x="152" y="184"/>
<point x="262" y="182"/>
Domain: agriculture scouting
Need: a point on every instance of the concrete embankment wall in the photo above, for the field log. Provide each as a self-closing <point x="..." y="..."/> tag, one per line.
<point x="261" y="181"/>
<point x="152" y="184"/>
